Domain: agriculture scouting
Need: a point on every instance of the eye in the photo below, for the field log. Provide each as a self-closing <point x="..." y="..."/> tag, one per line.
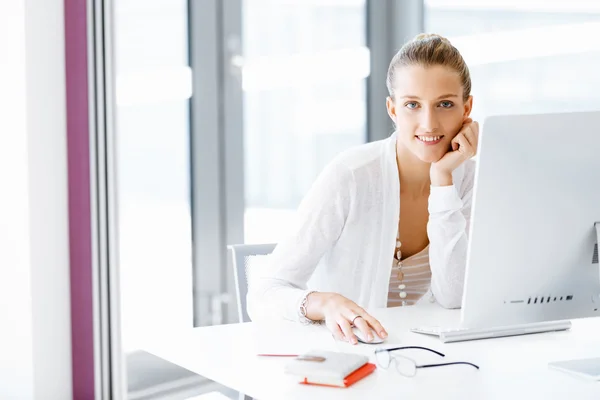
<point x="411" y="105"/>
<point x="446" y="104"/>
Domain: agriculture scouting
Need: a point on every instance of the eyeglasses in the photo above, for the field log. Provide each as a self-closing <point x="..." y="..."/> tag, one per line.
<point x="407" y="366"/>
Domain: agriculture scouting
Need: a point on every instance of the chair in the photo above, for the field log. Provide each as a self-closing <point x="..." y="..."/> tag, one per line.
<point x="243" y="257"/>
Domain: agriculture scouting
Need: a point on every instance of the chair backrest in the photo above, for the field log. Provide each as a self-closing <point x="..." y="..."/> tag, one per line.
<point x="243" y="257"/>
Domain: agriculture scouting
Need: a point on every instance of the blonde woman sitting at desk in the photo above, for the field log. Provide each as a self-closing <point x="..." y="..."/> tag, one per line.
<point x="386" y="223"/>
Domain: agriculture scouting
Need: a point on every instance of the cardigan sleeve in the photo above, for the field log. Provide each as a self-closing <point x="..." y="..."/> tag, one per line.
<point x="448" y="229"/>
<point x="276" y="288"/>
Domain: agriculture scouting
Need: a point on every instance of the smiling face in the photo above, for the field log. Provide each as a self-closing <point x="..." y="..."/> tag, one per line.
<point x="428" y="109"/>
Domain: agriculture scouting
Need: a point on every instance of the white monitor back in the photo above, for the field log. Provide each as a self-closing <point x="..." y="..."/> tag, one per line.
<point x="533" y="252"/>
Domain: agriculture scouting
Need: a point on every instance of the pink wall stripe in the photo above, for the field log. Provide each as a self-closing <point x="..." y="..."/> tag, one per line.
<point x="80" y="234"/>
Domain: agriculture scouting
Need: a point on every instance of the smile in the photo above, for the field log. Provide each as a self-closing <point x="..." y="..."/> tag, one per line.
<point x="430" y="139"/>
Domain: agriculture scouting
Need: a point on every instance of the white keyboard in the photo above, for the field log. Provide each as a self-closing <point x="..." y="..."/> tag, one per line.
<point x="447" y="335"/>
<point x="436" y="330"/>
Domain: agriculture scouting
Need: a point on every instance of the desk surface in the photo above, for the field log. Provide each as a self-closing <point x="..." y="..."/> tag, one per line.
<point x="514" y="367"/>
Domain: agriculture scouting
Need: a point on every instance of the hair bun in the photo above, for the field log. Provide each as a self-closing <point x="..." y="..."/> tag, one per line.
<point x="425" y="36"/>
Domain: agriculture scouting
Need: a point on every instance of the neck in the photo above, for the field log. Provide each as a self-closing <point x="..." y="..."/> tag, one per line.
<point x="413" y="173"/>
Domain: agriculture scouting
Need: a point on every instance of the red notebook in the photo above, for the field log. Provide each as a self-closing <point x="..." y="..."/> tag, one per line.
<point x="351" y="379"/>
<point x="327" y="368"/>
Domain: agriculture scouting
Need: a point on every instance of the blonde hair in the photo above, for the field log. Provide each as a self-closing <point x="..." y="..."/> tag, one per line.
<point x="429" y="49"/>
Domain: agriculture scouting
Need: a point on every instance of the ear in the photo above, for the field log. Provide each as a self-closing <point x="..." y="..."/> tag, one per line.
<point x="391" y="108"/>
<point x="468" y="107"/>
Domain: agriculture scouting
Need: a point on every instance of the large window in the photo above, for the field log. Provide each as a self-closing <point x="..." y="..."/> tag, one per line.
<point x="525" y="56"/>
<point x="153" y="87"/>
<point x="280" y="87"/>
<point x="304" y="101"/>
<point x="305" y="68"/>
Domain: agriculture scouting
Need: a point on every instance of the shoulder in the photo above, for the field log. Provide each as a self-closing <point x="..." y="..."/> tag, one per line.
<point x="362" y="156"/>
<point x="354" y="167"/>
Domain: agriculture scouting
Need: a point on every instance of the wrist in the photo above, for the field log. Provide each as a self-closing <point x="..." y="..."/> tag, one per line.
<point x="315" y="305"/>
<point x="440" y="178"/>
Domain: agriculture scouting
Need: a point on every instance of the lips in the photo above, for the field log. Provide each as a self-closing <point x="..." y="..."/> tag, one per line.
<point x="429" y="139"/>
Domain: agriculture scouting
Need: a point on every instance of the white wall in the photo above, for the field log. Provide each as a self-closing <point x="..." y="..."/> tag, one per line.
<point x="46" y="128"/>
<point x="35" y="339"/>
<point x="16" y="362"/>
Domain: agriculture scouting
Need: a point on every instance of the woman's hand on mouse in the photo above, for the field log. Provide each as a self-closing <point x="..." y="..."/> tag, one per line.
<point x="464" y="146"/>
<point x="339" y="313"/>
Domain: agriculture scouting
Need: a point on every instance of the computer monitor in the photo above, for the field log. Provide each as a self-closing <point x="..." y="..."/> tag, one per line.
<point x="533" y="245"/>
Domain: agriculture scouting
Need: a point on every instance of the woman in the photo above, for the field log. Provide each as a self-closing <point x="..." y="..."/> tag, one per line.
<point x="386" y="223"/>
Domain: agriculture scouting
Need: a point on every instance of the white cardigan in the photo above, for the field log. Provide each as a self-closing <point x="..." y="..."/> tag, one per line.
<point x="345" y="234"/>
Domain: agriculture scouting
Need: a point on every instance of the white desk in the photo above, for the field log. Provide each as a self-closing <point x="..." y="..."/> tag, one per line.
<point x="511" y="368"/>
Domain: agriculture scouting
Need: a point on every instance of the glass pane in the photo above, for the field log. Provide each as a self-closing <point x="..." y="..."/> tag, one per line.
<point x="525" y="56"/>
<point x="305" y="64"/>
<point x="153" y="87"/>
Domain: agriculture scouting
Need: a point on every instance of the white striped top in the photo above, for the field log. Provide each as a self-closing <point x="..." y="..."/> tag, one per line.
<point x="417" y="279"/>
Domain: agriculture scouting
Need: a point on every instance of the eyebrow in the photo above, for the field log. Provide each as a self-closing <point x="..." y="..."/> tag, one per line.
<point x="441" y="97"/>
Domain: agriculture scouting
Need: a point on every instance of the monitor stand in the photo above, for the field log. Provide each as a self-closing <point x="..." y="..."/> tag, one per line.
<point x="586" y="367"/>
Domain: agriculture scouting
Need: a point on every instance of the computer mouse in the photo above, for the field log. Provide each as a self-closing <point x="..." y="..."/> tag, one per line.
<point x="362" y="337"/>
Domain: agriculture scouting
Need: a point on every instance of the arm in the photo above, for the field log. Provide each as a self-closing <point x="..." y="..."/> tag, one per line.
<point x="278" y="288"/>
<point x="449" y="216"/>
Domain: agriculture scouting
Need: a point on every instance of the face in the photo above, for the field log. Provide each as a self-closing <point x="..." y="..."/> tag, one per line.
<point x="428" y="110"/>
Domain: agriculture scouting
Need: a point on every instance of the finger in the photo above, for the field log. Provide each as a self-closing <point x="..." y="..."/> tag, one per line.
<point x="475" y="126"/>
<point x="468" y="135"/>
<point x="472" y="130"/>
<point x="467" y="121"/>
<point x="364" y="327"/>
<point x="347" y="330"/>
<point x="471" y="138"/>
<point x="375" y="325"/>
<point x="335" y="330"/>
<point x="473" y="135"/>
<point x="455" y="143"/>
<point x="465" y="147"/>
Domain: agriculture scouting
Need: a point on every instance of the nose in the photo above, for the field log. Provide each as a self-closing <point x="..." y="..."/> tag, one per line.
<point x="429" y="122"/>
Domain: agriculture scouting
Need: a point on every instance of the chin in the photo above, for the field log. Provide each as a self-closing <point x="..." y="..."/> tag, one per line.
<point x="429" y="153"/>
<point x="429" y="157"/>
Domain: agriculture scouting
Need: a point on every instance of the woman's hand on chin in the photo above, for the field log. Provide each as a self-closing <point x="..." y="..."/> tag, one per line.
<point x="464" y="146"/>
